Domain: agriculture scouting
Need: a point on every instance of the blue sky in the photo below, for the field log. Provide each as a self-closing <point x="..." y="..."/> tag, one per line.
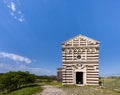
<point x="31" y="33"/>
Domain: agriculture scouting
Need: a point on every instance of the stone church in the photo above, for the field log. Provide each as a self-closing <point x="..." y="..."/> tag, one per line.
<point x="80" y="61"/>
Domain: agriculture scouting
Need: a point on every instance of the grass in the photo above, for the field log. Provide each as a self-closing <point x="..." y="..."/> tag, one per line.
<point x="54" y="83"/>
<point x="87" y="90"/>
<point x="26" y="91"/>
<point x="111" y="83"/>
<point x="111" y="86"/>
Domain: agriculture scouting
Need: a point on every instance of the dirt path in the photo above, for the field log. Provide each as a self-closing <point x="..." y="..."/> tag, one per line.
<point x="51" y="90"/>
<point x="54" y="90"/>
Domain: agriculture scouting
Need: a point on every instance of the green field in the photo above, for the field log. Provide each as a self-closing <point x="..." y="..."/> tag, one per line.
<point x="111" y="83"/>
<point x="110" y="86"/>
<point x="88" y="90"/>
<point x="25" y="91"/>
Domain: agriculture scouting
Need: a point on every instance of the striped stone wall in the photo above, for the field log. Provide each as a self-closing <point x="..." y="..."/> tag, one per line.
<point x="80" y="54"/>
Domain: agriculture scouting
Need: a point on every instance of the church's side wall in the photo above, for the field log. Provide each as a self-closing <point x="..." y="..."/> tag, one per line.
<point x="59" y="74"/>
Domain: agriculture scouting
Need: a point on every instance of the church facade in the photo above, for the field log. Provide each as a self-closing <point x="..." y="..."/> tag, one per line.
<point x="80" y="61"/>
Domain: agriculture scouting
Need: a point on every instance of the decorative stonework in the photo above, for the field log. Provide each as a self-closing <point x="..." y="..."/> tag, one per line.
<point x="80" y="61"/>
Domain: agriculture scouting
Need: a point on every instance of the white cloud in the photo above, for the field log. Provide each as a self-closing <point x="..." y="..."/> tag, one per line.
<point x="5" y="67"/>
<point x="13" y="6"/>
<point x="15" y="57"/>
<point x="11" y="62"/>
<point x="20" y="19"/>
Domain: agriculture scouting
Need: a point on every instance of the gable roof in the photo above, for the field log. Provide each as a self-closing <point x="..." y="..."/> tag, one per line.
<point x="81" y="36"/>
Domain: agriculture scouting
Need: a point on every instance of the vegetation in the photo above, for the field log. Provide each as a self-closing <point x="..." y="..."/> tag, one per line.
<point x="26" y="90"/>
<point x="111" y="83"/>
<point x="23" y="83"/>
<point x="48" y="80"/>
<point x="108" y="86"/>
<point x="15" y="80"/>
<point x="30" y="90"/>
<point x="45" y="78"/>
<point x="87" y="90"/>
<point x="54" y="83"/>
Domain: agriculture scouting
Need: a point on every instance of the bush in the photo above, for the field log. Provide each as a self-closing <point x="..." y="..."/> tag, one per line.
<point x="100" y="81"/>
<point x="14" y="80"/>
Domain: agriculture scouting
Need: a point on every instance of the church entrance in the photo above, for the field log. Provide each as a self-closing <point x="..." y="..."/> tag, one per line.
<point x="79" y="77"/>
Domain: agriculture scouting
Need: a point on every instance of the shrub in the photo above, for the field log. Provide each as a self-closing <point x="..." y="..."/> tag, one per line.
<point x="100" y="81"/>
<point x="14" y="80"/>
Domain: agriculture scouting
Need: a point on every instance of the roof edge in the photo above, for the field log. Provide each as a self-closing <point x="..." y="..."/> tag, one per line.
<point x="81" y="36"/>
